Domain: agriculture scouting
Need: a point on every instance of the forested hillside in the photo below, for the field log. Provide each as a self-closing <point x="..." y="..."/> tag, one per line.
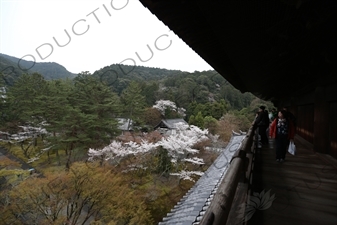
<point x="178" y="86"/>
<point x="9" y="70"/>
<point x="119" y="76"/>
<point x="69" y="131"/>
<point x="12" y="67"/>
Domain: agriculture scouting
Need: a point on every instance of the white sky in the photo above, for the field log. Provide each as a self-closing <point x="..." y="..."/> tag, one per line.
<point x="28" y="26"/>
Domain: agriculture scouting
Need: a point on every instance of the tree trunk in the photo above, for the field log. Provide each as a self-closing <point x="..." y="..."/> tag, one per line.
<point x="69" y="156"/>
<point x="48" y="154"/>
<point x="58" y="157"/>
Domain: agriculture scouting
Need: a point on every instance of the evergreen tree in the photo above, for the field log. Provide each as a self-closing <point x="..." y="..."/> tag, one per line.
<point x="217" y="109"/>
<point x="149" y="92"/>
<point x="164" y="165"/>
<point x="133" y="103"/>
<point x="89" y="120"/>
<point x="23" y="98"/>
<point x="198" y="120"/>
<point x="211" y="124"/>
<point x="99" y="105"/>
<point x="54" y="109"/>
<point x="190" y="109"/>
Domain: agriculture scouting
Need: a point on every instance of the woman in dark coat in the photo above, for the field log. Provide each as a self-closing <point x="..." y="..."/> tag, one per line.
<point x="282" y="129"/>
<point x="262" y="123"/>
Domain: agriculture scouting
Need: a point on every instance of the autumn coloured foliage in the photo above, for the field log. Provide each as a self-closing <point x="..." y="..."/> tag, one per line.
<point x="75" y="197"/>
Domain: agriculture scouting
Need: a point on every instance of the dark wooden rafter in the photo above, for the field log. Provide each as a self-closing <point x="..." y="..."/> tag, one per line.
<point x="253" y="44"/>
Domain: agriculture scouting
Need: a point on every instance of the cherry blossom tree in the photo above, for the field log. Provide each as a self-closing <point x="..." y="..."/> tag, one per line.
<point x="117" y="150"/>
<point x="113" y="150"/>
<point x="27" y="138"/>
<point x="163" y="105"/>
<point x="179" y="148"/>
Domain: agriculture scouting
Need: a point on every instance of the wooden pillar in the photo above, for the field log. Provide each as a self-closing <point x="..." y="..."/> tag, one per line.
<point x="321" y="121"/>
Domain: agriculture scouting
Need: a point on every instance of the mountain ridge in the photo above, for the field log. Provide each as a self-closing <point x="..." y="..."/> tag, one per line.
<point x="11" y="70"/>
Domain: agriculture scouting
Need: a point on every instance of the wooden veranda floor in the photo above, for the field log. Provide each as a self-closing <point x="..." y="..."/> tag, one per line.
<point x="305" y="187"/>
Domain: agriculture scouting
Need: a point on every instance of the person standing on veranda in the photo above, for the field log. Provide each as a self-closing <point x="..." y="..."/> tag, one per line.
<point x="262" y="123"/>
<point x="282" y="129"/>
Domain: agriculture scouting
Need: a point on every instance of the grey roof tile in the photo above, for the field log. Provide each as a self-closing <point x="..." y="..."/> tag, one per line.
<point x="170" y="123"/>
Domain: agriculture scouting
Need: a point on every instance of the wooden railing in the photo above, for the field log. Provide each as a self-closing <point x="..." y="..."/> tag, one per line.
<point x="234" y="188"/>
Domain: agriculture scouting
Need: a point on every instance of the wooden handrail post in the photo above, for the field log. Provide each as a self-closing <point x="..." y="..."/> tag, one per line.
<point x="217" y="213"/>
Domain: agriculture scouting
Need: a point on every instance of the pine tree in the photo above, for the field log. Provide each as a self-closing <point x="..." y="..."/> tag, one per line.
<point x="89" y="120"/>
<point x="95" y="100"/>
<point x="23" y="98"/>
<point x="133" y="103"/>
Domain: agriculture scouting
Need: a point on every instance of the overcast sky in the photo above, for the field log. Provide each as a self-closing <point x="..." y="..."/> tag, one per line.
<point x="102" y="32"/>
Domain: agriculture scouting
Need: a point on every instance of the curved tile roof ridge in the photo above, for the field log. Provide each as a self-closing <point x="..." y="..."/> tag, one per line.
<point x="191" y="208"/>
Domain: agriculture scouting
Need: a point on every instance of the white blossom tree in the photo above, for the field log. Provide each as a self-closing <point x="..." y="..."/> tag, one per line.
<point x="27" y="138"/>
<point x="117" y="150"/>
<point x="179" y="147"/>
<point x="113" y="150"/>
<point x="162" y="105"/>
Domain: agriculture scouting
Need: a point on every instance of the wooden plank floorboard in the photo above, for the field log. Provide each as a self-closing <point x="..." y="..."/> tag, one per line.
<point x="313" y="175"/>
<point x="289" y="181"/>
<point x="301" y="215"/>
<point x="304" y="204"/>
<point x="305" y="187"/>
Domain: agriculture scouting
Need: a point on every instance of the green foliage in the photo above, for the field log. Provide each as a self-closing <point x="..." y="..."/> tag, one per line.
<point x="210" y="109"/>
<point x="256" y="103"/>
<point x="164" y="164"/>
<point x="80" y="114"/>
<point x="183" y="88"/>
<point x="191" y="121"/>
<point x="149" y="91"/>
<point x="23" y="99"/>
<point x="197" y="120"/>
<point x="133" y="103"/>
<point x="211" y="124"/>
<point x="119" y="76"/>
<point x="13" y="68"/>
<point x="88" y="116"/>
<point x="9" y="71"/>
<point x="236" y="99"/>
